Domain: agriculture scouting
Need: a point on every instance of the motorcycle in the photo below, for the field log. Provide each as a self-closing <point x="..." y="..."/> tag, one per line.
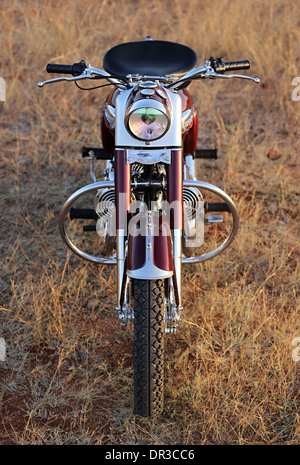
<point x="149" y="208"/>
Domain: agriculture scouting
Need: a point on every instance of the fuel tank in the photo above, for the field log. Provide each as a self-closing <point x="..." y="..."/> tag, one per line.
<point x="189" y="119"/>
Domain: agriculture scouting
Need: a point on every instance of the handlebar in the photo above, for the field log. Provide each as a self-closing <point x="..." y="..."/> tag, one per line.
<point x="214" y="68"/>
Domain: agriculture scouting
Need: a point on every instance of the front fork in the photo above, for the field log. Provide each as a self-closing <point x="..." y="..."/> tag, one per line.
<point x="122" y="202"/>
<point x="175" y="203"/>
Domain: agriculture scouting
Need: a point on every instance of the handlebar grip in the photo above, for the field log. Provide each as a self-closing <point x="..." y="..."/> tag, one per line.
<point x="64" y="69"/>
<point x="75" y="69"/>
<point x="236" y="65"/>
<point x="221" y="66"/>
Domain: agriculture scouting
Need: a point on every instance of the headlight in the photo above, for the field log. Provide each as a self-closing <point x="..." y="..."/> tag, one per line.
<point x="147" y="122"/>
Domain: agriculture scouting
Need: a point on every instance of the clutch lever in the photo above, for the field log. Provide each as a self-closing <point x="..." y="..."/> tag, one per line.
<point x="88" y="73"/>
<point x="64" y="78"/>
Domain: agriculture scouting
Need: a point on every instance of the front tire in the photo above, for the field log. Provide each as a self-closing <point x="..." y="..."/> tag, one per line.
<point x="148" y="306"/>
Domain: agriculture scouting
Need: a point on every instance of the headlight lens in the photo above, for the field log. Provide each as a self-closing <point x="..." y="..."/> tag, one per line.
<point x="148" y="123"/>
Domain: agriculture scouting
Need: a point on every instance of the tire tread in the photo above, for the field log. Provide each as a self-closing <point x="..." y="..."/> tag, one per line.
<point x="148" y="346"/>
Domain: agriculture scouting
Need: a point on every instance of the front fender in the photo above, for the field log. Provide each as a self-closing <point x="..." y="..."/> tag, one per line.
<point x="149" y="247"/>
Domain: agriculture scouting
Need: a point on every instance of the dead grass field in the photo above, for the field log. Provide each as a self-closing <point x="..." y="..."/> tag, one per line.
<point x="67" y="376"/>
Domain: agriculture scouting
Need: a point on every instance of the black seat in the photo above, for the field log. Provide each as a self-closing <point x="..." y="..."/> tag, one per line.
<point x="150" y="57"/>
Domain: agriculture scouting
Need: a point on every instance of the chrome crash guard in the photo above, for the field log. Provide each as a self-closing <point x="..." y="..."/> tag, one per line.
<point x="148" y="256"/>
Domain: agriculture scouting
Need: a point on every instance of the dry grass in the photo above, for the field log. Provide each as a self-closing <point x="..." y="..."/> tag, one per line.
<point x="67" y="378"/>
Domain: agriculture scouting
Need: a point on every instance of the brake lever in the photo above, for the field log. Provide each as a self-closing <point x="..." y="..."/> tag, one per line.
<point x="211" y="74"/>
<point x="207" y="72"/>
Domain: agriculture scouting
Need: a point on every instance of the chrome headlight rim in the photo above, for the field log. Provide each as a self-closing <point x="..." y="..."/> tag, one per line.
<point x="147" y="103"/>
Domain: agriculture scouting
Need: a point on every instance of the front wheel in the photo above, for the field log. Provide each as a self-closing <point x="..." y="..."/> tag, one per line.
<point x="148" y="307"/>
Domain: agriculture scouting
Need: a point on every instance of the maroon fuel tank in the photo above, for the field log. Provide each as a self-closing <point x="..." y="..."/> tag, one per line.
<point x="189" y="127"/>
<point x="189" y="123"/>
<point x="107" y="123"/>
